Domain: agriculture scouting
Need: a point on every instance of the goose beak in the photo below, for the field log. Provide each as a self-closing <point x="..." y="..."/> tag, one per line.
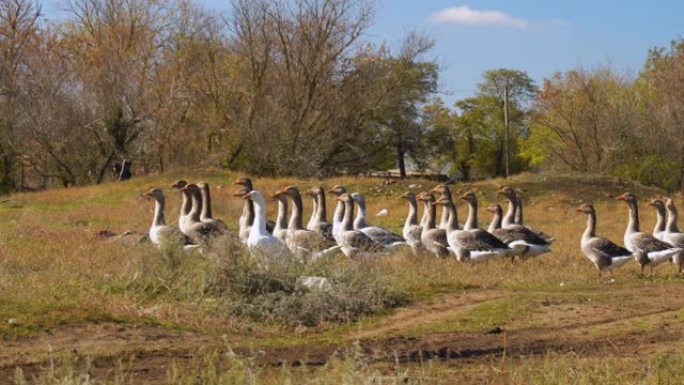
<point x="622" y="197"/>
<point x="237" y="182"/>
<point x="404" y="195"/>
<point x="501" y="191"/>
<point x="237" y="193"/>
<point x="464" y="197"/>
<point x="651" y="203"/>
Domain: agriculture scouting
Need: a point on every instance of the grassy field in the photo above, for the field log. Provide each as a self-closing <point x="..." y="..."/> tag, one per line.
<point x="74" y="307"/>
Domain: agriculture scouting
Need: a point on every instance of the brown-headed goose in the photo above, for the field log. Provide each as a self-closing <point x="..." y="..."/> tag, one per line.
<point x="338" y="214"/>
<point x="353" y="243"/>
<point x="444" y="191"/>
<point x="412" y="230"/>
<point x="248" y="209"/>
<point x="432" y="238"/>
<point x="164" y="237"/>
<point x="518" y="234"/>
<point x="206" y="214"/>
<point x="659" y="228"/>
<point x="647" y="249"/>
<point x="672" y="234"/>
<point x="259" y="242"/>
<point x="320" y="224"/>
<point x="301" y="241"/>
<point x="186" y="205"/>
<point x="197" y="230"/>
<point x="474" y="245"/>
<point x="280" y="230"/>
<point x="472" y="224"/>
<point x="603" y="253"/>
<point x="376" y="233"/>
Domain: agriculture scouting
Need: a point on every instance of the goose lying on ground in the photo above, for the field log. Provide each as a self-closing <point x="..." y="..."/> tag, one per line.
<point x="260" y="243"/>
<point x="433" y="239"/>
<point x="603" y="253"/>
<point x="376" y="233"/>
<point x="474" y="245"/>
<point x="647" y="249"/>
<point x="412" y="230"/>
<point x="517" y="234"/>
<point x="164" y="237"/>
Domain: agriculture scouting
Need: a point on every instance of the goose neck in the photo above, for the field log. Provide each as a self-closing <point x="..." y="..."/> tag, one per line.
<point x="590" y="231"/>
<point x="321" y="214"/>
<point x="206" y="203"/>
<point x="471" y="222"/>
<point x="296" y="217"/>
<point x="347" y="224"/>
<point x="158" y="213"/>
<point x="660" y="220"/>
<point x="672" y="226"/>
<point x="509" y="218"/>
<point x="496" y="221"/>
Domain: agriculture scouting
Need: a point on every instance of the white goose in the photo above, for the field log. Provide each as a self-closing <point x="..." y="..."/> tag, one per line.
<point x="376" y="233"/>
<point x="260" y="243"/>
<point x="648" y="250"/>
<point x="412" y="230"/>
<point x="185" y="207"/>
<point x="603" y="253"/>
<point x="280" y="230"/>
<point x="164" y="237"/>
<point x="672" y="234"/>
<point x="338" y="214"/>
<point x="474" y="245"/>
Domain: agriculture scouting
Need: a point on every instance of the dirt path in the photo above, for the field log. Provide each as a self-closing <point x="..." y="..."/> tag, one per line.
<point x="619" y="321"/>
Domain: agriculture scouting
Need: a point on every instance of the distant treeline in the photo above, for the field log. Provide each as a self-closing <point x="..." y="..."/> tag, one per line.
<point x="296" y="88"/>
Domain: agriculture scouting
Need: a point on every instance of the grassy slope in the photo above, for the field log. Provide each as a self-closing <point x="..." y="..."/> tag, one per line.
<point x="54" y="273"/>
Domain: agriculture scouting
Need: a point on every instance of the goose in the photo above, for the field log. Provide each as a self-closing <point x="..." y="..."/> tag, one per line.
<point x="603" y="253"/>
<point x="314" y="210"/>
<point x="672" y="234"/>
<point x="517" y="234"/>
<point x="206" y="214"/>
<point x="474" y="245"/>
<point x="444" y="191"/>
<point x="303" y="242"/>
<point x="280" y="230"/>
<point x="320" y="224"/>
<point x="185" y="207"/>
<point x="472" y="224"/>
<point x="647" y="249"/>
<point x="353" y="243"/>
<point x="246" y="216"/>
<point x="376" y="233"/>
<point x="248" y="208"/>
<point x="432" y="238"/>
<point x="165" y="237"/>
<point x="338" y="215"/>
<point x="260" y="243"/>
<point x="197" y="230"/>
<point x="659" y="228"/>
<point x="412" y="230"/>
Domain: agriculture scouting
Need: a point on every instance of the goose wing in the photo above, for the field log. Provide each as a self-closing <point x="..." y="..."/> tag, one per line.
<point x="479" y="240"/>
<point x="675" y="239"/>
<point x="519" y="233"/>
<point x="381" y="235"/>
<point x="607" y="248"/>
<point x="648" y="243"/>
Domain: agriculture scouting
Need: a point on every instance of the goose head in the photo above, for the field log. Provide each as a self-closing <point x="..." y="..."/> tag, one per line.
<point x="442" y="201"/>
<point x="657" y="203"/>
<point x="344" y="198"/>
<point x="338" y="190"/>
<point x="358" y="198"/>
<point x="291" y="191"/>
<point x="244" y="182"/>
<point x="494" y="208"/>
<point x="426" y="197"/>
<point x="409" y="196"/>
<point x="280" y="195"/>
<point x="192" y="189"/>
<point x="442" y="189"/>
<point x="586" y="209"/>
<point x="179" y="184"/>
<point x="316" y="191"/>
<point x="154" y="193"/>
<point x="669" y="203"/>
<point x="508" y="192"/>
<point x="239" y="193"/>
<point x="628" y="197"/>
<point x="469" y="197"/>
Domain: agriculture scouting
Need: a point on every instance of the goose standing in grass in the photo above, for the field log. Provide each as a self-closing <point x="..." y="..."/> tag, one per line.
<point x="197" y="230"/>
<point x="472" y="224"/>
<point x="672" y="234"/>
<point x="338" y="214"/>
<point x="518" y="234"/>
<point x="412" y="230"/>
<point x="280" y="230"/>
<point x="259" y="242"/>
<point x="647" y="249"/>
<point x="376" y="233"/>
<point x="320" y="224"/>
<point x="206" y="215"/>
<point x="444" y="191"/>
<point x="474" y="245"/>
<point x="353" y="243"/>
<point x="603" y="253"/>
<point x="247" y="217"/>
<point x="659" y="228"/>
<point x="301" y="241"/>
<point x="432" y="238"/>
<point x="164" y="237"/>
<point x="186" y="205"/>
<point x="314" y="210"/>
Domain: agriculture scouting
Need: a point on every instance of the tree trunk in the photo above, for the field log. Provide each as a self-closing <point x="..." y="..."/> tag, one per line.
<point x="400" y="160"/>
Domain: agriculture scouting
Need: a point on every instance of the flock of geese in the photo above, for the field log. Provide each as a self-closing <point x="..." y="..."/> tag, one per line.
<point x="353" y="235"/>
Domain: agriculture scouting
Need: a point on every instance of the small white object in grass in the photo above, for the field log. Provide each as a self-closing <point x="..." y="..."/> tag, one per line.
<point x="12" y="321"/>
<point x="382" y="213"/>
<point x="314" y="283"/>
<point x="562" y="284"/>
<point x="415" y="186"/>
<point x="612" y="280"/>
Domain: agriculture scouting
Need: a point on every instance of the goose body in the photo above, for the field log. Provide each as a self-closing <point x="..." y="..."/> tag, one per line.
<point x="197" y="230"/>
<point x="353" y="243"/>
<point x="165" y="237"/>
<point x="259" y="242"/>
<point x="516" y="235"/>
<point x="376" y="233"/>
<point x="206" y="214"/>
<point x="647" y="249"/>
<point x="603" y="253"/>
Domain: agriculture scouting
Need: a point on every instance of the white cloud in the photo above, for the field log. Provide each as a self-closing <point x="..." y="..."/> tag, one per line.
<point x="468" y="16"/>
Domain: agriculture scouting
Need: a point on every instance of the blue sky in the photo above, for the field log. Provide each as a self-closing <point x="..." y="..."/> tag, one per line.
<point x="540" y="37"/>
